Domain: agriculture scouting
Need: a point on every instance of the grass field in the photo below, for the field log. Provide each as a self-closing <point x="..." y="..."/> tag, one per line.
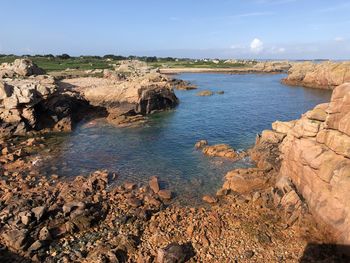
<point x="58" y="64"/>
<point x="85" y="63"/>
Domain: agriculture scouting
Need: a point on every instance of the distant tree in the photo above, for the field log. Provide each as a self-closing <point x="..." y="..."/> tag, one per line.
<point x="169" y="59"/>
<point x="64" y="56"/>
<point x="49" y="56"/>
<point x="151" y="59"/>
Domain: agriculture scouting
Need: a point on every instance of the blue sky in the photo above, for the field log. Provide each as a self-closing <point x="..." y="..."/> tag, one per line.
<point x="291" y="29"/>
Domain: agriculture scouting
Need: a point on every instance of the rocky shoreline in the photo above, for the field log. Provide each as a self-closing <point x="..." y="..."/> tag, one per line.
<point x="285" y="209"/>
<point x="326" y="75"/>
<point x="268" y="67"/>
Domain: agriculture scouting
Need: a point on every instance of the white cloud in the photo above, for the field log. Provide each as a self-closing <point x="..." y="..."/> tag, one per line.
<point x="277" y="50"/>
<point x="256" y="46"/>
<point x="339" y="39"/>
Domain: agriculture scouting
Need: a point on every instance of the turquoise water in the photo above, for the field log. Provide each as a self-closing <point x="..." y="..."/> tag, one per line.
<point x="164" y="147"/>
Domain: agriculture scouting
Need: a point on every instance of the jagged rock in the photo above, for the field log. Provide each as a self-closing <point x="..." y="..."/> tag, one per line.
<point x="20" y="67"/>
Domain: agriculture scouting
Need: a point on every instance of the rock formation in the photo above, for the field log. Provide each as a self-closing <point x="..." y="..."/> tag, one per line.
<point x="20" y="68"/>
<point x="272" y="66"/>
<point x="315" y="153"/>
<point x="325" y="75"/>
<point x="306" y="159"/>
<point x="136" y="96"/>
<point x="31" y="103"/>
<point x="37" y="103"/>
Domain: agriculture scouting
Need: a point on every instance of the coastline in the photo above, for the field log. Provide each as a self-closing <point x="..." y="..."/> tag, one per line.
<point x="173" y="71"/>
<point x="136" y="221"/>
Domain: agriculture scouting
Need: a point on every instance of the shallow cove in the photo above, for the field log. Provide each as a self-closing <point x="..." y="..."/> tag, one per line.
<point x="164" y="147"/>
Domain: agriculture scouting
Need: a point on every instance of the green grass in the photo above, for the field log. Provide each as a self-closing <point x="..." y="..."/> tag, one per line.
<point x="57" y="64"/>
<point x="85" y="63"/>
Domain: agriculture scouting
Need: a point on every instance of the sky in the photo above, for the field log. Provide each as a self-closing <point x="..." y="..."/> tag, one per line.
<point x="251" y="29"/>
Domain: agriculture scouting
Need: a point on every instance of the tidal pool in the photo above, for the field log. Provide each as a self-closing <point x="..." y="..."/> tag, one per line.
<point x="164" y="147"/>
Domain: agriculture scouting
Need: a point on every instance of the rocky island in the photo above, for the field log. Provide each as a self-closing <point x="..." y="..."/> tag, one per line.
<point x="294" y="198"/>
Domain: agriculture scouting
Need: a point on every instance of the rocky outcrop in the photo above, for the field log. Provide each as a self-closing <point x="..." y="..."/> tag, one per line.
<point x="315" y="153"/>
<point x="310" y="160"/>
<point x="305" y="163"/>
<point x="125" y="99"/>
<point x="20" y="68"/>
<point x="18" y="101"/>
<point x="272" y="66"/>
<point x="37" y="103"/>
<point x="326" y="75"/>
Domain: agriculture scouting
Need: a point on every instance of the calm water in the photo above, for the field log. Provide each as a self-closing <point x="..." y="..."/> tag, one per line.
<point x="164" y="147"/>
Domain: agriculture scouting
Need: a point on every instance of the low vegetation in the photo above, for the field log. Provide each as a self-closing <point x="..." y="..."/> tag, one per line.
<point x="63" y="62"/>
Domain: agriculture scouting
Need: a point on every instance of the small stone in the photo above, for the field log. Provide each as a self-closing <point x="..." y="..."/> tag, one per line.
<point x="35" y="246"/>
<point x="209" y="199"/>
<point x="44" y="234"/>
<point x="165" y="194"/>
<point x="249" y="254"/>
<point x="134" y="202"/>
<point x="171" y="254"/>
<point x="38" y="212"/>
<point x="153" y="184"/>
<point x="201" y="144"/>
<point x="25" y="219"/>
<point x="256" y="196"/>
<point x="129" y="186"/>
<point x="222" y="192"/>
<point x="190" y="230"/>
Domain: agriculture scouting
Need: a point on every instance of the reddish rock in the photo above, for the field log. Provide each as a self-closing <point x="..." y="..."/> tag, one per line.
<point x="325" y="75"/>
<point x="209" y="199"/>
<point x="154" y="184"/>
<point x="220" y="150"/>
<point x="165" y="194"/>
